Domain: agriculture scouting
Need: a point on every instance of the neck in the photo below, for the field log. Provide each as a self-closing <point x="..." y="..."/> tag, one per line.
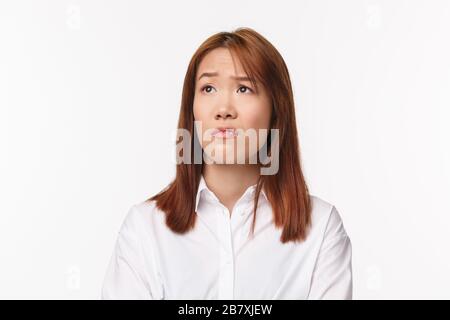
<point x="229" y="181"/>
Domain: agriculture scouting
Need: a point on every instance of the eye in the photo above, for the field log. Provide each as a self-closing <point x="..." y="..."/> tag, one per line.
<point x="245" y="89"/>
<point x="206" y="87"/>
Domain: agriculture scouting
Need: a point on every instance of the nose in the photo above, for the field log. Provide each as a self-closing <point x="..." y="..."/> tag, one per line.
<point x="225" y="111"/>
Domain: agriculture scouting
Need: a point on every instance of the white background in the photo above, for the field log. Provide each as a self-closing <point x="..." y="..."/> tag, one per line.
<point x="89" y="99"/>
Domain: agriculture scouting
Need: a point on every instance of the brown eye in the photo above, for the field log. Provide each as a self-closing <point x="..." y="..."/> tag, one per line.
<point x="245" y="89"/>
<point x="207" y="87"/>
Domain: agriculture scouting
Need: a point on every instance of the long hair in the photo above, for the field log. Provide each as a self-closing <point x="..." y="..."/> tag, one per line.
<point x="286" y="190"/>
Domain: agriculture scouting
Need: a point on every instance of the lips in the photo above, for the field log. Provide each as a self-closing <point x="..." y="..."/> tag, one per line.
<point x="224" y="132"/>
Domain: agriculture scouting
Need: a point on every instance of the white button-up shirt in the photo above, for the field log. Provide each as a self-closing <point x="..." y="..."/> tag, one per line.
<point x="217" y="260"/>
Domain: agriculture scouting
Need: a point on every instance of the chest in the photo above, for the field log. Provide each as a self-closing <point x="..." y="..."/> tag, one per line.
<point x="215" y="263"/>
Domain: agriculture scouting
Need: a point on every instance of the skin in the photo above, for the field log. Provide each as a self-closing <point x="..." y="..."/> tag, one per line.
<point x="223" y="101"/>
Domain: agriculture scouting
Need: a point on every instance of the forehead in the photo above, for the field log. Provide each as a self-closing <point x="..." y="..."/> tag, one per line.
<point x="221" y="59"/>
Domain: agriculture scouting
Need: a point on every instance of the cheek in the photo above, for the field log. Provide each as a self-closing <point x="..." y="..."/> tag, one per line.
<point x="196" y="109"/>
<point x="201" y="117"/>
<point x="256" y="115"/>
<point x="201" y="108"/>
<point x="200" y="114"/>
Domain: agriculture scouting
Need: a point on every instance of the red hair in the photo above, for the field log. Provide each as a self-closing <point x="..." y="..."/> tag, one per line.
<point x="286" y="190"/>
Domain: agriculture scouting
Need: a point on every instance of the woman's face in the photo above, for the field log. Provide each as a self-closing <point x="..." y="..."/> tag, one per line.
<point x="225" y="99"/>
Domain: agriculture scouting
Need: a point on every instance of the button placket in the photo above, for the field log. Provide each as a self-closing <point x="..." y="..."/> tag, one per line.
<point x="242" y="226"/>
<point x="226" y="274"/>
<point x="237" y="221"/>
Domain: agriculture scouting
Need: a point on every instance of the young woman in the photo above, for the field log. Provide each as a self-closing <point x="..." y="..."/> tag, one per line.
<point x="230" y="229"/>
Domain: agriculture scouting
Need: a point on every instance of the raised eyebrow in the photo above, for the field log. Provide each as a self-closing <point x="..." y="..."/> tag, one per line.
<point x="208" y="74"/>
<point x="215" y="74"/>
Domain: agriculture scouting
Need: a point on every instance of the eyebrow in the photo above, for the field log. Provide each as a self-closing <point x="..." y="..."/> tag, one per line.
<point x="215" y="74"/>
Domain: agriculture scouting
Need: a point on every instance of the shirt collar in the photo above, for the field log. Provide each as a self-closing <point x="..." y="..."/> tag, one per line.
<point x="202" y="187"/>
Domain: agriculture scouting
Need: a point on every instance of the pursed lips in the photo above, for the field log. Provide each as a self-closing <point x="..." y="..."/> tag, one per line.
<point x="224" y="132"/>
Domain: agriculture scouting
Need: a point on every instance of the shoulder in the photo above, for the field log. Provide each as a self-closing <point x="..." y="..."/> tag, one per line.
<point x="141" y="216"/>
<point x="326" y="218"/>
